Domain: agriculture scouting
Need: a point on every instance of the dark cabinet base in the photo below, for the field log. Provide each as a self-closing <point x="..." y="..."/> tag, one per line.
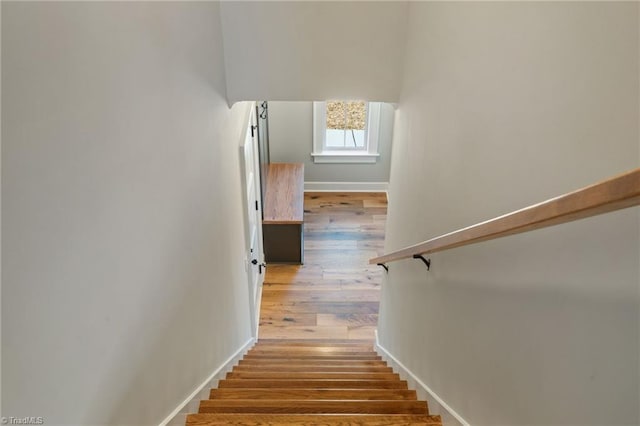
<point x="283" y="243"/>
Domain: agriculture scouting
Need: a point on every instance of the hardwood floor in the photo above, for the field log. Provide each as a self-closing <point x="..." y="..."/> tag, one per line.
<point x="335" y="294"/>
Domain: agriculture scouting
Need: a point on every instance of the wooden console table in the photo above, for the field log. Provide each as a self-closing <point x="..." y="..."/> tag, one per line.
<point x="282" y="226"/>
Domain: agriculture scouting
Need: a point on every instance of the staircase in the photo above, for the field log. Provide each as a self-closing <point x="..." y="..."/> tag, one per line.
<point x="298" y="382"/>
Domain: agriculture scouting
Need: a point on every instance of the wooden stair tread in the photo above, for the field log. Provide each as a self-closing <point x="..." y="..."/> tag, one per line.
<point x="305" y="355"/>
<point x="285" y="393"/>
<point x="313" y="383"/>
<point x="205" y="419"/>
<point x="302" y="406"/>
<point x="353" y="362"/>
<point x="312" y="375"/>
<point x="324" y="349"/>
<point x="322" y="382"/>
<point x="311" y="342"/>
<point x="320" y="349"/>
<point x="314" y="356"/>
<point x="337" y="348"/>
<point x="336" y="352"/>
<point x="310" y="368"/>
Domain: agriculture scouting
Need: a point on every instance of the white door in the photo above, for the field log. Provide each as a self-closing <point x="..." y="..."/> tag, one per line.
<point x="255" y="256"/>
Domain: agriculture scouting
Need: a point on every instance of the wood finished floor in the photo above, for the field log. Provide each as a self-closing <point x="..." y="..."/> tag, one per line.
<point x="336" y="293"/>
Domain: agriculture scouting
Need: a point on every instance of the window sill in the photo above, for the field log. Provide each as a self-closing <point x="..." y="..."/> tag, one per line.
<point x="344" y="157"/>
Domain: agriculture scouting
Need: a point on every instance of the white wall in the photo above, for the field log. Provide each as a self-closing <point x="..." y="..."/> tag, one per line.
<point x="0" y="221"/>
<point x="291" y="141"/>
<point x="505" y="105"/>
<point x="123" y="282"/>
<point x="314" y="50"/>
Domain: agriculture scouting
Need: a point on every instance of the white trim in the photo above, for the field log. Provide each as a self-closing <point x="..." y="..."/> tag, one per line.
<point x="319" y="125"/>
<point x="343" y="157"/>
<point x="322" y="155"/>
<point x="190" y="404"/>
<point x="346" y="186"/>
<point x="436" y="404"/>
<point x="258" y="303"/>
<point x="373" y="126"/>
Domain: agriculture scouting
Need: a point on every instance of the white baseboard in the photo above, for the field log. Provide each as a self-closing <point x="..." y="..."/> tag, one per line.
<point x="436" y="404"/>
<point x="258" y="307"/>
<point x="178" y="416"/>
<point x="346" y="186"/>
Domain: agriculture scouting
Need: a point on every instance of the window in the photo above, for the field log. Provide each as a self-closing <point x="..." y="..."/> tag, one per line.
<point x="346" y="125"/>
<point x="345" y="131"/>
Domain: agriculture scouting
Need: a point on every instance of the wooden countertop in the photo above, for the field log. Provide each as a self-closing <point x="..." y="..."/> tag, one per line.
<point x="284" y="199"/>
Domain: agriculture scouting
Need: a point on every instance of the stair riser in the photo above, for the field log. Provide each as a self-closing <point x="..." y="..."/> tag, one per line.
<point x="305" y="353"/>
<point x="327" y="349"/>
<point x="313" y="343"/>
<point x="286" y="357"/>
<point x="305" y="375"/>
<point x="313" y="407"/>
<point x="314" y="384"/>
<point x="317" y="394"/>
<point x="310" y="368"/>
<point x="310" y="419"/>
<point x="312" y="362"/>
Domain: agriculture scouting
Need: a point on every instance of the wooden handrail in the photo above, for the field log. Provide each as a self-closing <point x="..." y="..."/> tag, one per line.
<point x="616" y="193"/>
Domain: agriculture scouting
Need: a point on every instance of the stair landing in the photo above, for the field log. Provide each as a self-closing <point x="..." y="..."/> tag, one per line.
<point x="336" y="293"/>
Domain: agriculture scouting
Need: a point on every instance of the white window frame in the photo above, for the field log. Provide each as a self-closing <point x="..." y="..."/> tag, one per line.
<point x="322" y="154"/>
